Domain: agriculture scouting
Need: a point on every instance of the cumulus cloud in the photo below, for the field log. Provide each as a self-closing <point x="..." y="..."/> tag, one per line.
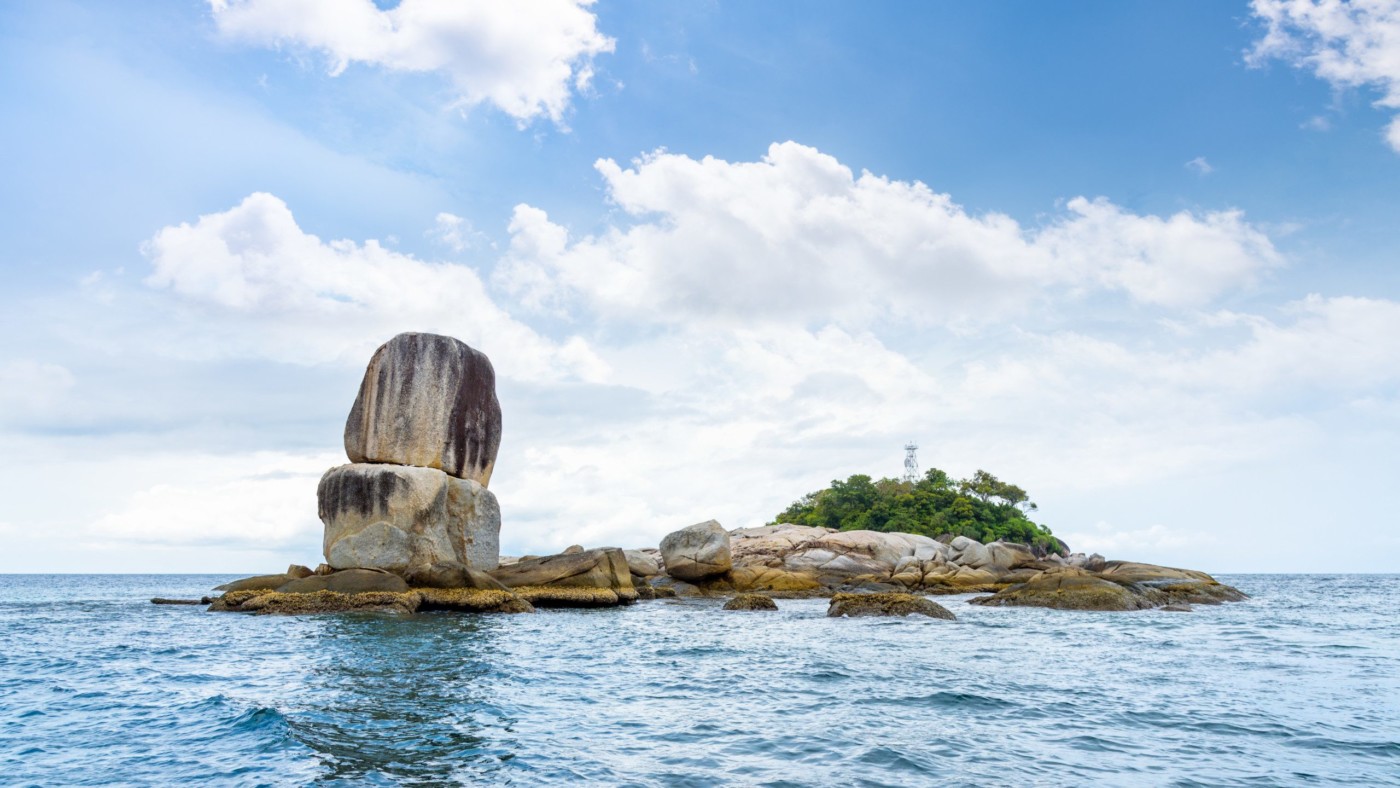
<point x="798" y="236"/>
<point x="256" y="278"/>
<point x="526" y="58"/>
<point x="1348" y="43"/>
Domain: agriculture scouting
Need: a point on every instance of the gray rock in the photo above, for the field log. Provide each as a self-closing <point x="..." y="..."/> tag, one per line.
<point x="451" y="575"/>
<point x="395" y="517"/>
<point x="348" y="581"/>
<point x="697" y="551"/>
<point x="430" y="401"/>
<point x="603" y="568"/>
<point x="642" y="563"/>
<point x="299" y="571"/>
<point x="256" y="583"/>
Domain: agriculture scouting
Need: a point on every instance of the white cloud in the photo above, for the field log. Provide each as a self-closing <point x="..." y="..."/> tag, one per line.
<point x="454" y="232"/>
<point x="1200" y="166"/>
<point x="255" y="278"/>
<point x="797" y="236"/>
<point x="1349" y="44"/>
<point x="1117" y="543"/>
<point x="32" y="389"/>
<point x="262" y="501"/>
<point x="524" y="57"/>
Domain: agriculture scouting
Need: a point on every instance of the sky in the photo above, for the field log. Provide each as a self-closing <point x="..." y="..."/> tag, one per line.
<point x="1141" y="259"/>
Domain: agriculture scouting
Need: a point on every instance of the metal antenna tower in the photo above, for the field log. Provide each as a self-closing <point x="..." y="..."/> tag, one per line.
<point x="911" y="462"/>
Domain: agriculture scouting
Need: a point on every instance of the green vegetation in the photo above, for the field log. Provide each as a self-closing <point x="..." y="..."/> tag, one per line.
<point x="982" y="507"/>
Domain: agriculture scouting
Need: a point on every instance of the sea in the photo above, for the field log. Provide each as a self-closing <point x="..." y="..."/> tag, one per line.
<point x="1300" y="685"/>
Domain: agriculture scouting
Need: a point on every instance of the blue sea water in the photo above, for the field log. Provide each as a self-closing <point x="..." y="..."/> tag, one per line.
<point x="1298" y="686"/>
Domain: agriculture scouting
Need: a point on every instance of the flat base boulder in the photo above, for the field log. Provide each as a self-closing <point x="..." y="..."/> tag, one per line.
<point x="472" y="600"/>
<point x="751" y="602"/>
<point x="886" y="604"/>
<point x="576" y="596"/>
<point x="1122" y="586"/>
<point x="347" y="581"/>
<point x="451" y="575"/>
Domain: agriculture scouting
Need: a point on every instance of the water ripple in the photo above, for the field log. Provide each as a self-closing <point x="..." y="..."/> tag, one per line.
<point x="1295" y="687"/>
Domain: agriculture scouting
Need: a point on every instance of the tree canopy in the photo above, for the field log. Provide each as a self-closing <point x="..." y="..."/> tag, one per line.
<point x="981" y="507"/>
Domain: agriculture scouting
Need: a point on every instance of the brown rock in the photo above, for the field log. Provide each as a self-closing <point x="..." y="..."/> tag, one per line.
<point x="886" y="604"/>
<point x="347" y="581"/>
<point x="751" y="602"/>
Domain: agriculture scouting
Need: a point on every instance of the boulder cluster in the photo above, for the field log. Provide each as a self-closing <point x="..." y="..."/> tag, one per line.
<point x="410" y="525"/>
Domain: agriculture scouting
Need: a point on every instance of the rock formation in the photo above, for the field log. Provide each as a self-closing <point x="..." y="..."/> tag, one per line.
<point x="697" y="552"/>
<point x="422" y="438"/>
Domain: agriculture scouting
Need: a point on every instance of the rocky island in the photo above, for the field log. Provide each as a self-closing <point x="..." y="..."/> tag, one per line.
<point x="411" y="525"/>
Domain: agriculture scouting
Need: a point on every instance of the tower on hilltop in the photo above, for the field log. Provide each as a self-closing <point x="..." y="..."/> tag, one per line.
<point x="911" y="462"/>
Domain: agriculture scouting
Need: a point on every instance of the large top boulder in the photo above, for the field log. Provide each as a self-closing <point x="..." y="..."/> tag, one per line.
<point x="427" y="400"/>
<point x="697" y="551"/>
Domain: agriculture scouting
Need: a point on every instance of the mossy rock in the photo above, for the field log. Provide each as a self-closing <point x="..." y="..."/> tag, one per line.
<point x="473" y="600"/>
<point x="751" y="602"/>
<point x="569" y="596"/>
<point x="888" y="603"/>
<point x="276" y="602"/>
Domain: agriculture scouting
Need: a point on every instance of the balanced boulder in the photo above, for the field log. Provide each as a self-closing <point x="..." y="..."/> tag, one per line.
<point x="697" y="552"/>
<point x="396" y="517"/>
<point x="427" y="400"/>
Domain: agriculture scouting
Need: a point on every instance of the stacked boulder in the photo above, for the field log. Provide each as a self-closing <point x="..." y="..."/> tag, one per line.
<point x="422" y="439"/>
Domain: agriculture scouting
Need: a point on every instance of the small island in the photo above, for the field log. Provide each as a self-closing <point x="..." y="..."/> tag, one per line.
<point x="410" y="525"/>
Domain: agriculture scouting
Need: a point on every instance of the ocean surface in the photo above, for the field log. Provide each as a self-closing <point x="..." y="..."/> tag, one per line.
<point x="1298" y="686"/>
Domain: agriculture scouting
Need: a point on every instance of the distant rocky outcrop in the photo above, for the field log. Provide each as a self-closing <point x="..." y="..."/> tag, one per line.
<point x="1120" y="585"/>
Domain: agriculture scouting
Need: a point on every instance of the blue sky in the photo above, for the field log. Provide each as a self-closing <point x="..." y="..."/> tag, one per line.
<point x="1138" y="258"/>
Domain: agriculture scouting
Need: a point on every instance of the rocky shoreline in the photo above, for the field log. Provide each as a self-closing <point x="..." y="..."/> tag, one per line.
<point x="411" y="526"/>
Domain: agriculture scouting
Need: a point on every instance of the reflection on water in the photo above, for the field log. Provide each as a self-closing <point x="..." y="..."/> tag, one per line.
<point x="1296" y="686"/>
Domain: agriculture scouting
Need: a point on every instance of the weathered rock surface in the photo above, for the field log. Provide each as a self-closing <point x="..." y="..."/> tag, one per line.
<point x="751" y="602"/>
<point x="256" y="583"/>
<point x="697" y="551"/>
<point x="1120" y="586"/>
<point x="460" y="599"/>
<point x="347" y="581"/>
<point x="600" y="568"/>
<point x="427" y="400"/>
<point x="642" y="563"/>
<point x="451" y="575"/>
<point x="395" y="517"/>
<point x="887" y="604"/>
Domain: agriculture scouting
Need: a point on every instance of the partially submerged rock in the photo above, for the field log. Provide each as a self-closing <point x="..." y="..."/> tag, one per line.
<point x="697" y="552"/>
<point x="886" y="604"/>
<point x="751" y="602"/>
<point x="1120" y="586"/>
<point x="575" y="596"/>
<point x="163" y="601"/>
<point x="459" y="599"/>
<point x="427" y="400"/>
<point x="396" y="517"/>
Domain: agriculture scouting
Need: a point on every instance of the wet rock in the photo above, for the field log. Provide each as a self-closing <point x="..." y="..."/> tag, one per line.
<point x="1121" y="586"/>
<point x="575" y="596"/>
<point x="347" y="581"/>
<point x="473" y="600"/>
<point x="751" y="602"/>
<point x="697" y="551"/>
<point x="427" y="400"/>
<point x="163" y="601"/>
<point x="276" y="602"/>
<point x="886" y="604"/>
<point x="395" y="517"/>
<point x="1177" y="608"/>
